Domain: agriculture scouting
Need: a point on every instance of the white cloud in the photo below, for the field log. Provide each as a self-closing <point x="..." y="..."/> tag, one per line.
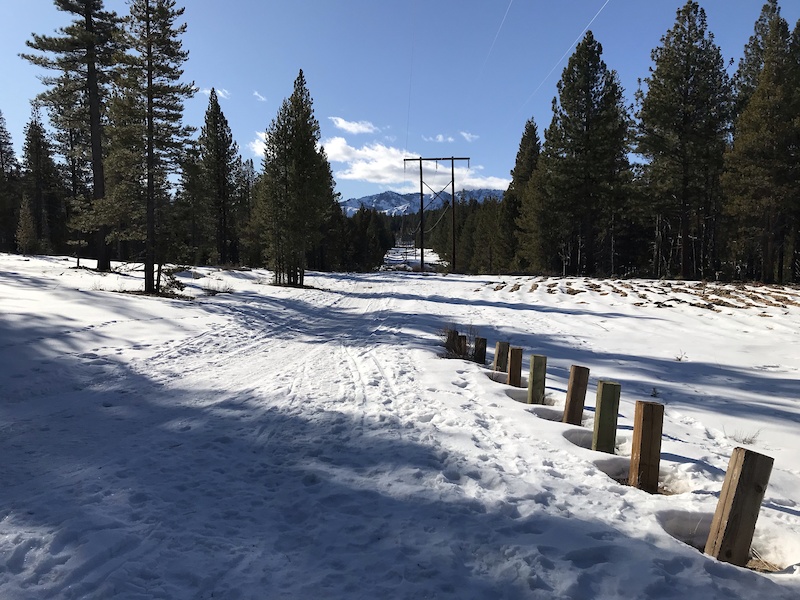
<point x="354" y="127"/>
<point x="221" y="93"/>
<point x="257" y="146"/>
<point x="439" y="139"/>
<point x="384" y="165"/>
<point x="470" y="137"/>
<point x="259" y="97"/>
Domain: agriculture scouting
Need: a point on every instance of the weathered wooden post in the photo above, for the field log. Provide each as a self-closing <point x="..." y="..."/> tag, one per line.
<point x="576" y="394"/>
<point x="536" y="379"/>
<point x="739" y="503"/>
<point x="605" y="416"/>
<point x="480" y="350"/>
<point x="452" y="341"/>
<point x="501" y="357"/>
<point x="461" y="345"/>
<point x="515" y="367"/>
<point x="646" y="450"/>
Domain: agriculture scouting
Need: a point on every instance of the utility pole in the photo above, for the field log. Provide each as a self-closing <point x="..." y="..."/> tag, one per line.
<point x="452" y="160"/>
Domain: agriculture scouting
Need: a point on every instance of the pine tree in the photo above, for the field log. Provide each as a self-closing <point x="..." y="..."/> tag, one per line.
<point x="26" y="238"/>
<point x="41" y="183"/>
<point x="761" y="166"/>
<point x="298" y="186"/>
<point x="9" y="192"/>
<point x="746" y="78"/>
<point x="83" y="54"/>
<point x="157" y="65"/>
<point x="683" y="128"/>
<point x="527" y="157"/>
<point x="194" y="215"/>
<point x="586" y="171"/>
<point x="219" y="157"/>
<point x="123" y="211"/>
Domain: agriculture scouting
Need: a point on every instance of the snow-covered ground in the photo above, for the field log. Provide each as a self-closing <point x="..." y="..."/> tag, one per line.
<point x="261" y="442"/>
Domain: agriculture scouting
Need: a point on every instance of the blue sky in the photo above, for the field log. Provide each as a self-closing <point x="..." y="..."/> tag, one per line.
<point x="393" y="79"/>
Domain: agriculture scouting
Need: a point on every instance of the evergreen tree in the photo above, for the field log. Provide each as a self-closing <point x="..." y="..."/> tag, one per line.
<point x="573" y="203"/>
<point x="761" y="177"/>
<point x="26" y="238"/>
<point x="9" y="192"/>
<point x="527" y="157"/>
<point x="41" y="183"/>
<point x="219" y="158"/>
<point x="684" y="121"/>
<point x="746" y="78"/>
<point x="194" y="215"/>
<point x="298" y="187"/>
<point x="157" y="64"/>
<point x="83" y="54"/>
<point x="122" y="211"/>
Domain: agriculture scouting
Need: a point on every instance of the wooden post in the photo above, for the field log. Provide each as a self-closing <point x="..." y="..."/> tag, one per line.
<point x="737" y="510"/>
<point x="515" y="367"/>
<point x="536" y="378"/>
<point x="576" y="394"/>
<point x="501" y="357"/>
<point x="646" y="450"/>
<point x="480" y="350"/>
<point x="452" y="341"/>
<point x="605" y="417"/>
<point x="461" y="347"/>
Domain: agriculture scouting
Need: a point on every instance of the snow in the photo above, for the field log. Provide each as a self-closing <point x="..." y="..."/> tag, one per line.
<point x="263" y="442"/>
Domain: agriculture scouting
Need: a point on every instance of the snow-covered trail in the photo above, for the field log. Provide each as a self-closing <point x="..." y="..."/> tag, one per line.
<point x="277" y="443"/>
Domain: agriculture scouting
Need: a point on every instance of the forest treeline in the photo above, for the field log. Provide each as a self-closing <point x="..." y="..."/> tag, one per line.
<point x="698" y="178"/>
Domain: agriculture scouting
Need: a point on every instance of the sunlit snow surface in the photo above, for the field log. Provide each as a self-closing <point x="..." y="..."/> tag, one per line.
<point x="263" y="442"/>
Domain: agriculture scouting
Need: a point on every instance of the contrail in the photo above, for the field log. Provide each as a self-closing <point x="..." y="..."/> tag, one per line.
<point x="555" y="66"/>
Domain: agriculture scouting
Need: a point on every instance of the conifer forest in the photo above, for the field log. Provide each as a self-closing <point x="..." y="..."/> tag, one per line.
<point x="696" y="175"/>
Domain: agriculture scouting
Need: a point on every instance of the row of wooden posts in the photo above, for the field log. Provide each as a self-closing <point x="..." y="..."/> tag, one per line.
<point x="746" y="479"/>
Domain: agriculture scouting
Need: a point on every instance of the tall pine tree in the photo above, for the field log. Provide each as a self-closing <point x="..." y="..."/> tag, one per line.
<point x="684" y="117"/>
<point x="746" y="78"/>
<point x="298" y="186"/>
<point x="761" y="177"/>
<point x="510" y="210"/>
<point x="157" y="63"/>
<point x="219" y="160"/>
<point x="83" y="54"/>
<point x="42" y="185"/>
<point x="579" y="186"/>
<point x="9" y="189"/>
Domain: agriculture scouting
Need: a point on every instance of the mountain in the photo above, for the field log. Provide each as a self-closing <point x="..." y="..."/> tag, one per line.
<point x="394" y="203"/>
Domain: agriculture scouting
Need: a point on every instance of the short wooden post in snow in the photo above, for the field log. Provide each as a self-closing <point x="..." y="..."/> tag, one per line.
<point x="480" y="350"/>
<point x="646" y="450"/>
<point x="452" y="341"/>
<point x="515" y="367"/>
<point x="536" y="378"/>
<point x="739" y="503"/>
<point x="576" y="394"/>
<point x="605" y="417"/>
<point x="461" y="345"/>
<point x="501" y="357"/>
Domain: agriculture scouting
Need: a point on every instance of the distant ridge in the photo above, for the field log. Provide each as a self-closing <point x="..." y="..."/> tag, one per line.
<point x="393" y="203"/>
